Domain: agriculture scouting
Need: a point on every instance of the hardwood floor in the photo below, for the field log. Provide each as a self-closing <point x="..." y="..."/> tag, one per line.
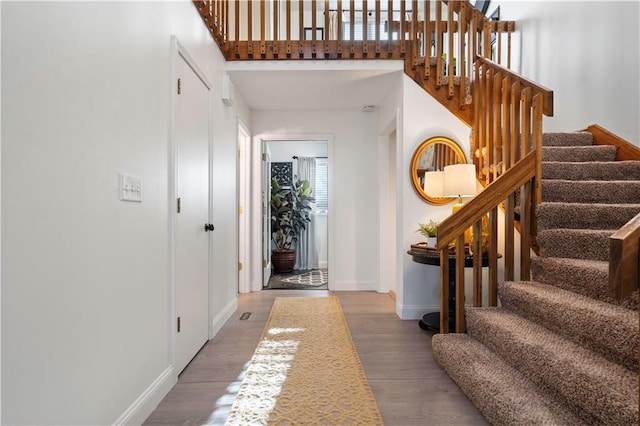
<point x="409" y="386"/>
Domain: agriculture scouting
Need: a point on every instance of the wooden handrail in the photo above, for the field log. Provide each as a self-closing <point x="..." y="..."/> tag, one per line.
<point x="521" y="176"/>
<point x="624" y="256"/>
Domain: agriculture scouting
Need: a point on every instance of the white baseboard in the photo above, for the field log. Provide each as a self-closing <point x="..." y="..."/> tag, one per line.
<point x="144" y="405"/>
<point x="345" y="285"/>
<point x="222" y="317"/>
<point x="415" y="312"/>
<point x="323" y="264"/>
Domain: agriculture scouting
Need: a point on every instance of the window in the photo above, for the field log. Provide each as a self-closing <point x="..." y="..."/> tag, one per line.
<point x="321" y="187"/>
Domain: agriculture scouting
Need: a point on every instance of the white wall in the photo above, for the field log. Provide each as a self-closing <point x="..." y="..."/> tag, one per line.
<point x="587" y="52"/>
<point x="423" y="117"/>
<point x="353" y="220"/>
<point x="85" y="277"/>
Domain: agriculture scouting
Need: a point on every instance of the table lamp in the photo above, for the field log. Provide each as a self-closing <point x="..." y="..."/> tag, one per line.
<point x="433" y="184"/>
<point x="460" y="182"/>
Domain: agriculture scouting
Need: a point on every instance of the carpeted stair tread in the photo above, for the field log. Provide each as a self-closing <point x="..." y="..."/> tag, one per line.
<point x="579" y="153"/>
<point x="600" y="390"/>
<point x="502" y="394"/>
<point x="575" y="243"/>
<point x="584" y="215"/>
<point x="591" y="191"/>
<point x="567" y="139"/>
<point x="591" y="170"/>
<point x="609" y="330"/>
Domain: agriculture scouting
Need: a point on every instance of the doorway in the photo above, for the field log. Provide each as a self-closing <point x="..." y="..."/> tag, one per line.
<point x="290" y="163"/>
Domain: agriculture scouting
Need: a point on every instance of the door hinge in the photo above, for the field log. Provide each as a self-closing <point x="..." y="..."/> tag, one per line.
<point x="264" y="156"/>
<point x="178" y="324"/>
<point x="264" y="263"/>
<point x="179" y="205"/>
<point x="264" y="210"/>
<point x="239" y="153"/>
<point x="240" y="210"/>
<point x="179" y="86"/>
<point x="239" y="266"/>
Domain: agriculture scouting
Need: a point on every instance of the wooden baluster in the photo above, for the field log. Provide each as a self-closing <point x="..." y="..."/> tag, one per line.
<point x="390" y="27"/>
<point x="493" y="257"/>
<point x="462" y="62"/>
<point x="352" y="31"/>
<point x="276" y="27"/>
<point x="378" y="22"/>
<point x="506" y="124"/>
<point x="497" y="135"/>
<point x="526" y="121"/>
<point x="509" y="46"/>
<point x="477" y="263"/>
<point x="339" y="23"/>
<point x="301" y="40"/>
<point x="460" y="326"/>
<point x="509" y="235"/>
<point x="509" y="207"/>
<point x="289" y="19"/>
<point x="525" y="232"/>
<point x="444" y="290"/>
<point x="478" y="118"/>
<point x="365" y="28"/>
<point x="515" y="122"/>
<point x="314" y="27"/>
<point x="414" y="34"/>
<point x="489" y="154"/>
<point x="499" y="40"/>
<point x="263" y="13"/>
<point x="236" y="13"/>
<point x="327" y="30"/>
<point x="450" y="56"/>
<point x="226" y="22"/>
<point x="537" y="145"/>
<point x="250" y="28"/>
<point x="426" y="37"/>
<point x="438" y="37"/>
<point x="403" y="28"/>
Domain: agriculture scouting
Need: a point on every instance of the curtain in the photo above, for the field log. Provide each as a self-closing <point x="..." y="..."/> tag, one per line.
<point x="333" y="26"/>
<point x="307" y="255"/>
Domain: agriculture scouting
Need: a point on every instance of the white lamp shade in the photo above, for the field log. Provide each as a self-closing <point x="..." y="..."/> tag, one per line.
<point x="460" y="180"/>
<point x="433" y="184"/>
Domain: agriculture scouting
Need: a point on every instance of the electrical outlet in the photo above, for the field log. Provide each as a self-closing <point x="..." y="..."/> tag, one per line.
<point x="130" y="188"/>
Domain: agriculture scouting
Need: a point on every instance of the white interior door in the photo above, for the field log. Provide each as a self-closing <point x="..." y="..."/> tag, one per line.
<point x="192" y="213"/>
<point x="243" y="209"/>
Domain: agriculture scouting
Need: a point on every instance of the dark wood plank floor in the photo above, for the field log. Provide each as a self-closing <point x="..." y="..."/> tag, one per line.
<point x="409" y="386"/>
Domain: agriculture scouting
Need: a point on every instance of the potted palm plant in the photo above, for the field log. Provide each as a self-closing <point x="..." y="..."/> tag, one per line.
<point x="290" y="210"/>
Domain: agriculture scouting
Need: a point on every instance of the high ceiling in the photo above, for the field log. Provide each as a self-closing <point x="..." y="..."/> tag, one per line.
<point x="314" y="85"/>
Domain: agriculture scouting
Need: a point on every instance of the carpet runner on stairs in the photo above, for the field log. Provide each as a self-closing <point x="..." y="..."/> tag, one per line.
<point x="558" y="350"/>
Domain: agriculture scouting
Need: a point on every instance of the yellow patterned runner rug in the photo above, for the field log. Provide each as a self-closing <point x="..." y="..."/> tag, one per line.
<point x="305" y="370"/>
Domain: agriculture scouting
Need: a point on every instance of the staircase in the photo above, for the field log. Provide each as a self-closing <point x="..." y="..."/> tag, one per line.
<point x="559" y="350"/>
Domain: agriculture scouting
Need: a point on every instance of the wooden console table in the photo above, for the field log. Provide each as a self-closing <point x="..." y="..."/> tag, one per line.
<point x="429" y="256"/>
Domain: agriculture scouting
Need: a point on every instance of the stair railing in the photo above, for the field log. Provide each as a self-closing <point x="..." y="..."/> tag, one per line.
<point x="507" y="150"/>
<point x="520" y="179"/>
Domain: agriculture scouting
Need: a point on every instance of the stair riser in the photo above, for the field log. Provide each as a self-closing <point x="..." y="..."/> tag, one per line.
<point x="577" y="154"/>
<point x="567" y="139"/>
<point x="544" y="359"/>
<point x="616" y="192"/>
<point x="608" y="330"/>
<point x="584" y="216"/>
<point x="574" y="244"/>
<point x="588" y="282"/>
<point x="601" y="170"/>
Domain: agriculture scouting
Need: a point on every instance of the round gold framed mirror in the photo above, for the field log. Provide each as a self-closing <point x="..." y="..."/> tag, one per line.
<point x="433" y="155"/>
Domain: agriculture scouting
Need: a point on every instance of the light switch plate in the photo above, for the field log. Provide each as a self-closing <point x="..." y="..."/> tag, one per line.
<point x="130" y="188"/>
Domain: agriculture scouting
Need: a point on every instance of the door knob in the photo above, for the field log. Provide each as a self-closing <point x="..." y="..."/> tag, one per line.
<point x="208" y="227"/>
